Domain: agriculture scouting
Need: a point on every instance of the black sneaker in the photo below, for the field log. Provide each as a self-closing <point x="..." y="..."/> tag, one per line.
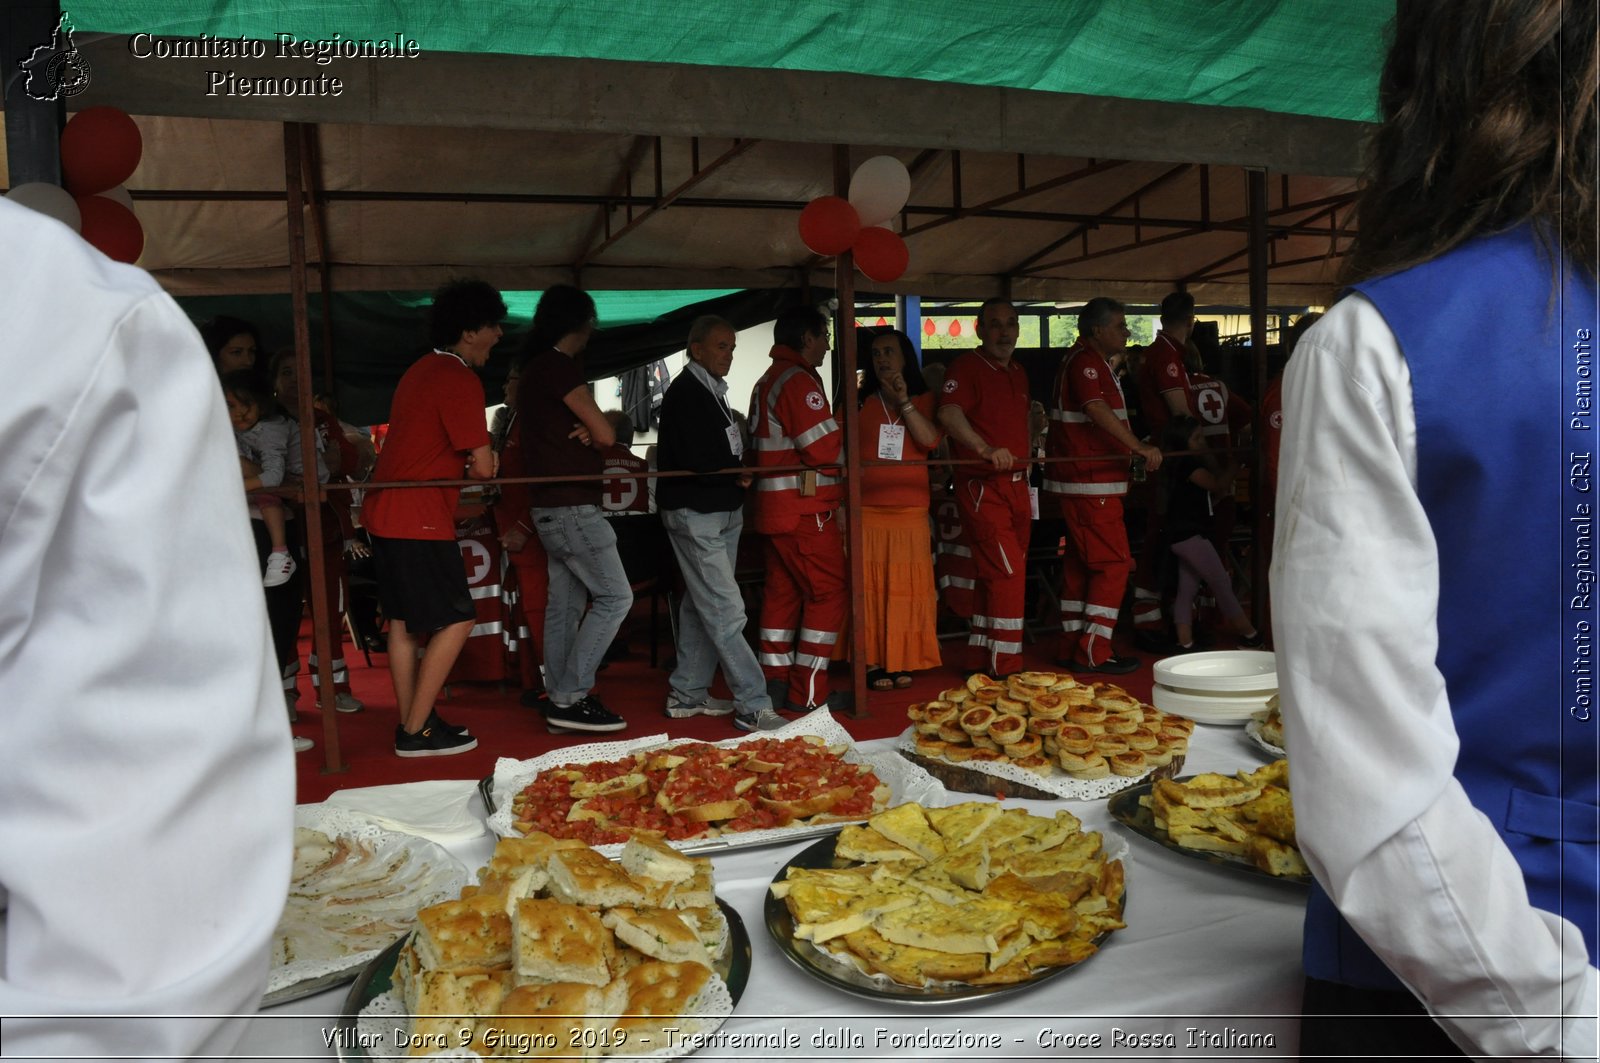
<point x="438" y="723"/>
<point x="431" y="742"/>
<point x="586" y="714"/>
<point x="1110" y="666"/>
<point x="837" y="701"/>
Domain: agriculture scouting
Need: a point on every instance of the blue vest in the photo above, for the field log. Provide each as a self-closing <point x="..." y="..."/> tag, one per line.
<point x="1501" y="377"/>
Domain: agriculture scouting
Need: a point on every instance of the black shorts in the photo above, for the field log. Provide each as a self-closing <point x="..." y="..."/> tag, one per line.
<point x="422" y="582"/>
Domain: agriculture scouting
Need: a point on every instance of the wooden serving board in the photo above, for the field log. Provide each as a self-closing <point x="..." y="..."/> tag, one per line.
<point x="971" y="781"/>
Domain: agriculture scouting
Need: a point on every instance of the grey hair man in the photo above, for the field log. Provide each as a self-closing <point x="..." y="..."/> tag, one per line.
<point x="704" y="517"/>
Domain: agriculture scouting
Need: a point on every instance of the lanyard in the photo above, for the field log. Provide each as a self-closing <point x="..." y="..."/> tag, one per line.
<point x="892" y="418"/>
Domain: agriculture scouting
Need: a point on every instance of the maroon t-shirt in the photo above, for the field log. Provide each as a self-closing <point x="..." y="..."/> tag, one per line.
<point x="546" y="423"/>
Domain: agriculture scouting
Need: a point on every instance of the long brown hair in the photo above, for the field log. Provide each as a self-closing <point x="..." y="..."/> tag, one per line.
<point x="1489" y="121"/>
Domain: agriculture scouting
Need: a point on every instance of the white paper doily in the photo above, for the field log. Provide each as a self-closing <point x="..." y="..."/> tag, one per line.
<point x="384" y="1016"/>
<point x="1057" y="782"/>
<point x="905" y="780"/>
<point x="1253" y="729"/>
<point x="426" y="873"/>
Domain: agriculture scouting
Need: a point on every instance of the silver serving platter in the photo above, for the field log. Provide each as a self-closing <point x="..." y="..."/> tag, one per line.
<point x="843" y="975"/>
<point x="1126" y="809"/>
<point x="733" y="966"/>
<point x="722" y="844"/>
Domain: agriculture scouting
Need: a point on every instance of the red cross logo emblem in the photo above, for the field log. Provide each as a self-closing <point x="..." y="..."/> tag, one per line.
<point x="620" y="493"/>
<point x="476" y="557"/>
<point x="1209" y="401"/>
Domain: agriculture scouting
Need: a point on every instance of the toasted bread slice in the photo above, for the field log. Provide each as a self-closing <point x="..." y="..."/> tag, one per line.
<point x="634" y="784"/>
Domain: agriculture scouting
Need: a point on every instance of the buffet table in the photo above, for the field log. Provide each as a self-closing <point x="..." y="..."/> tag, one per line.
<point x="1209" y="965"/>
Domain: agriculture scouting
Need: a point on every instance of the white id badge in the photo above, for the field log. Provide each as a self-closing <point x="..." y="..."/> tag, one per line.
<point x="735" y="441"/>
<point x="891" y="442"/>
<point x="1033" y="501"/>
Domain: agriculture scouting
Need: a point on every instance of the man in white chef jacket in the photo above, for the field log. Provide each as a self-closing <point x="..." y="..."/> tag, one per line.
<point x="146" y="779"/>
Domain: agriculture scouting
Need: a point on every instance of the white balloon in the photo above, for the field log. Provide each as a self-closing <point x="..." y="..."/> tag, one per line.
<point x="48" y="200"/>
<point x="118" y="194"/>
<point x="879" y="188"/>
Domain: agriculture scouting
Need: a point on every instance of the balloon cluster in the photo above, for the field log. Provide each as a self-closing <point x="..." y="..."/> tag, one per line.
<point x="831" y="226"/>
<point x="100" y="148"/>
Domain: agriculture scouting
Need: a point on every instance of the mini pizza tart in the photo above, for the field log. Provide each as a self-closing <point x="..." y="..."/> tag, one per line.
<point x="1006" y="729"/>
<point x="977" y="721"/>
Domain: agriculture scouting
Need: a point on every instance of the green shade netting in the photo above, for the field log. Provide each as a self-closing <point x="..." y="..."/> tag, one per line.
<point x="612" y="308"/>
<point x="1311" y="57"/>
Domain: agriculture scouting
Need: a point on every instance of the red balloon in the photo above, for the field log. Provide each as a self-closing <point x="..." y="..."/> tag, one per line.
<point x="829" y="225"/>
<point x="881" y="254"/>
<point x="100" y="148"/>
<point x="112" y="228"/>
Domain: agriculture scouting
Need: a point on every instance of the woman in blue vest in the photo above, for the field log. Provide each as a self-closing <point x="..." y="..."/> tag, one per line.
<point x="1433" y="576"/>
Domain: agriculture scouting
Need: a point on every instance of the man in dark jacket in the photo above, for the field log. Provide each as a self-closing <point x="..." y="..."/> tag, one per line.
<point x="704" y="516"/>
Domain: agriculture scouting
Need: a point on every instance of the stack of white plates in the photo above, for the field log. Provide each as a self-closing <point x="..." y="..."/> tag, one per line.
<point x="1224" y="686"/>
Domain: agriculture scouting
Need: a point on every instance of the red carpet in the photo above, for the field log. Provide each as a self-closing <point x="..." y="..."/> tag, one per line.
<point x="630" y="687"/>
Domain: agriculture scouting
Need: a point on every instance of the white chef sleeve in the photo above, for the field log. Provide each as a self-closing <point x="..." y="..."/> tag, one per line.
<point x="1412" y="865"/>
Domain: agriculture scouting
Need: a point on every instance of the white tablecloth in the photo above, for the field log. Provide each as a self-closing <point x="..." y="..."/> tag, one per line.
<point x="1209" y="965"/>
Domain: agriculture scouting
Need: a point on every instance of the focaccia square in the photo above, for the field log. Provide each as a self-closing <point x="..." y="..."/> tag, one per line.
<point x="558" y="942"/>
<point x="583" y="876"/>
<point x="464" y="936"/>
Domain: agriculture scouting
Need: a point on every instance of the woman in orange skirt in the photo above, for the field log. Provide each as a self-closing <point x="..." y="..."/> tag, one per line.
<point x="895" y="423"/>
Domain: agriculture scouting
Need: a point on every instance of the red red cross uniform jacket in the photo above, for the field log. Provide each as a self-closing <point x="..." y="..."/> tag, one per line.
<point x="805" y="599"/>
<point x="995" y="508"/>
<point x="1095" y="567"/>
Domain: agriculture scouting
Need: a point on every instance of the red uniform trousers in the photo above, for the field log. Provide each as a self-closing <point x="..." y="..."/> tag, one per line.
<point x="1094" y="575"/>
<point x="530" y="570"/>
<point x="997" y="518"/>
<point x="954" y="572"/>
<point x="805" y="595"/>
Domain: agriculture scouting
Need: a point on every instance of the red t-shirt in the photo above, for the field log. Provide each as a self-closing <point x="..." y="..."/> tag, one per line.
<point x="435" y="420"/>
<point x="1161" y="370"/>
<point x="994" y="399"/>
<point x="546" y="422"/>
<point x="892" y="485"/>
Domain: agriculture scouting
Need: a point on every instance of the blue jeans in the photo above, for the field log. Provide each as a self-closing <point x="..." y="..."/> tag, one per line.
<point x="583" y="565"/>
<point x="711" y="620"/>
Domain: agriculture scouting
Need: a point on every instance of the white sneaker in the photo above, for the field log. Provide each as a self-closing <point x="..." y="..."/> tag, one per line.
<point x="302" y="744"/>
<point x="347" y="702"/>
<point x="708" y="706"/>
<point x="765" y="720"/>
<point x="280" y="566"/>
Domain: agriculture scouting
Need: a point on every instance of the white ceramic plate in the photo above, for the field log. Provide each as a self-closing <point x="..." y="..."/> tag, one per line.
<point x="1209" y="708"/>
<point x="1220" y="671"/>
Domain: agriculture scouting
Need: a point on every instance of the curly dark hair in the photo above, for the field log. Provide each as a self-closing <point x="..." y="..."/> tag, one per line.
<point x="1489" y="122"/>
<point x="462" y="306"/>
